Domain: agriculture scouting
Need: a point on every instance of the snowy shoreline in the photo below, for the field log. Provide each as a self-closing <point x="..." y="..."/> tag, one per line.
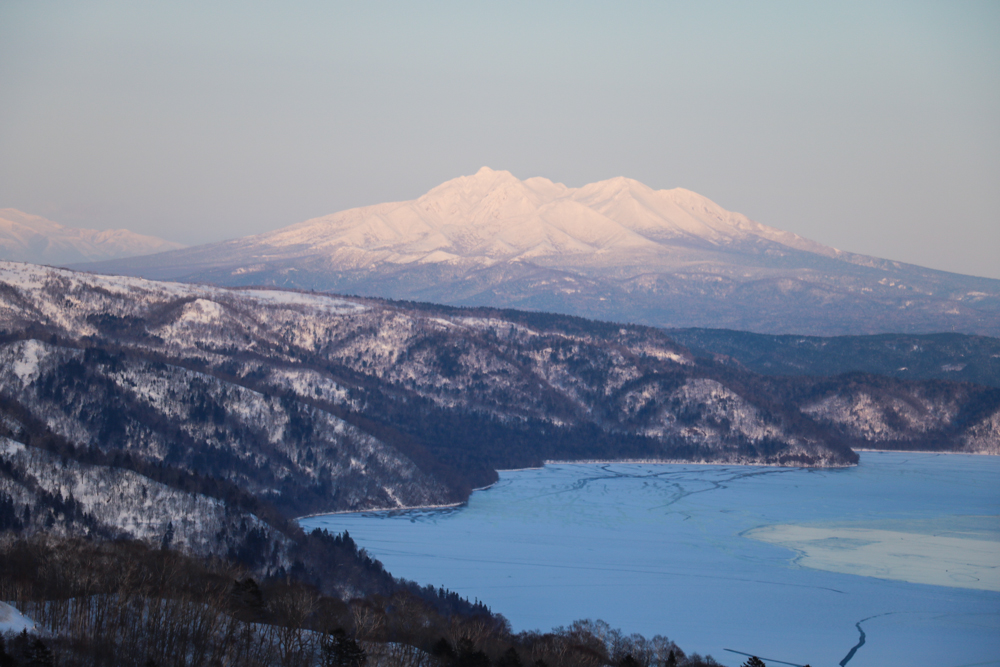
<point x="623" y="462"/>
<point x="445" y="506"/>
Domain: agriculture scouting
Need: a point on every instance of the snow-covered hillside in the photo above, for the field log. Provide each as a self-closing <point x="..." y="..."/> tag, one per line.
<point x="12" y="621"/>
<point x="282" y="342"/>
<point x="264" y="443"/>
<point x="145" y="400"/>
<point x="100" y="501"/>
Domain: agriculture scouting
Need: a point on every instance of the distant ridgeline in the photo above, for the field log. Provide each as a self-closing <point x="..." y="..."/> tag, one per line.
<point x="943" y="356"/>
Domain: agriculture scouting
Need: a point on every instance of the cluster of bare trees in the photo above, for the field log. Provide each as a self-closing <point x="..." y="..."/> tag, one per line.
<point x="125" y="604"/>
<point x="121" y="603"/>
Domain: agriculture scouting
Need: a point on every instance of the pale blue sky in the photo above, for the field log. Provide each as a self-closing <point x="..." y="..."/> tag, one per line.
<point x="873" y="127"/>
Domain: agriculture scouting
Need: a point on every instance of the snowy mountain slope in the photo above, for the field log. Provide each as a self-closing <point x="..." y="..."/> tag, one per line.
<point x="266" y="445"/>
<point x="880" y="415"/>
<point x="31" y="238"/>
<point x="112" y="502"/>
<point x="214" y="363"/>
<point x="339" y="403"/>
<point x="614" y="250"/>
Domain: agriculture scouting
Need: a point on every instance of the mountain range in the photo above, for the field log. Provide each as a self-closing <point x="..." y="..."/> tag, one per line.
<point x="31" y="238"/>
<point x="322" y="403"/>
<point x="614" y="250"/>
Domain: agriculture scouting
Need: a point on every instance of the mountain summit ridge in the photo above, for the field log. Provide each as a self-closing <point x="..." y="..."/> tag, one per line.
<point x="31" y="238"/>
<point x="613" y="250"/>
<point x="494" y="214"/>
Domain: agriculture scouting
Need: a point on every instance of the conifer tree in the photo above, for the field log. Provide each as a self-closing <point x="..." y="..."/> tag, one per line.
<point x="510" y="658"/>
<point x="341" y="650"/>
<point x="39" y="654"/>
<point x="6" y="660"/>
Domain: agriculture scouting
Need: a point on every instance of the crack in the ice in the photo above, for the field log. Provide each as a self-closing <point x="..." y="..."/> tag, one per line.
<point x="861" y="640"/>
<point x="682" y="493"/>
<point x="728" y="476"/>
<point x="854" y="649"/>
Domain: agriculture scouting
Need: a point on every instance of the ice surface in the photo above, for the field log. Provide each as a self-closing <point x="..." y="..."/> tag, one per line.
<point x="663" y="549"/>
<point x="922" y="558"/>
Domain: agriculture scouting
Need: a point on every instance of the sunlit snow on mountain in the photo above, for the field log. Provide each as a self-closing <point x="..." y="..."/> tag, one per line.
<point x="615" y="250"/>
<point x="31" y="238"/>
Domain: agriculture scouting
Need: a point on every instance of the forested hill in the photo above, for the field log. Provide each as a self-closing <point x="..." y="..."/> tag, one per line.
<point x="312" y="403"/>
<point x="330" y="403"/>
<point x="941" y="356"/>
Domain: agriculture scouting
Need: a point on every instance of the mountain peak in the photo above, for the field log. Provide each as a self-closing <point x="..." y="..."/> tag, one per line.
<point x="31" y="238"/>
<point x="616" y="249"/>
<point x="478" y="184"/>
<point x="492" y="214"/>
<point x="485" y="176"/>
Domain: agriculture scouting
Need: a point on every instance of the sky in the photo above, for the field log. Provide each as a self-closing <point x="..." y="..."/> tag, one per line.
<point x="873" y="127"/>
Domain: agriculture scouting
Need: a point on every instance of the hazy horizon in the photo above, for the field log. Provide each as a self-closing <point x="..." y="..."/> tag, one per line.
<point x="870" y="128"/>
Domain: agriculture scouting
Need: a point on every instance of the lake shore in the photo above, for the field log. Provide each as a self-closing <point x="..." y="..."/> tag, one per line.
<point x="664" y="549"/>
<point x="445" y="506"/>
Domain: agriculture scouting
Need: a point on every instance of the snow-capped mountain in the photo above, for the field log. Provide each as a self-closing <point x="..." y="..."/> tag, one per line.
<point x="31" y="238"/>
<point x="614" y="250"/>
<point x="494" y="217"/>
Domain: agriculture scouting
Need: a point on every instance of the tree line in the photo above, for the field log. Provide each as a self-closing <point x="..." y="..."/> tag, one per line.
<point x="126" y="604"/>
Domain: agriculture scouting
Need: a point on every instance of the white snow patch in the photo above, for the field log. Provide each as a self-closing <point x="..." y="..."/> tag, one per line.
<point x="10" y="447"/>
<point x="323" y="302"/>
<point x="27" y="354"/>
<point x="13" y="621"/>
<point x="667" y="355"/>
<point x="201" y="311"/>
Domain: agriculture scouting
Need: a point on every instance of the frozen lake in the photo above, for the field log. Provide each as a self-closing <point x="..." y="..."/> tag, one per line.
<point x="789" y="564"/>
